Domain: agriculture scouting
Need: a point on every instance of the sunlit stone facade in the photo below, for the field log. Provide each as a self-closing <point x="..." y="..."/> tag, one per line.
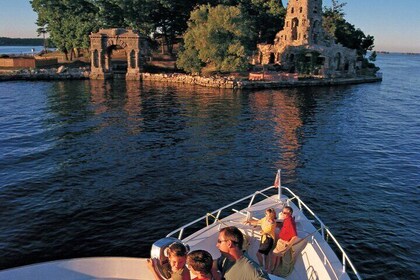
<point x="105" y="40"/>
<point x="304" y="47"/>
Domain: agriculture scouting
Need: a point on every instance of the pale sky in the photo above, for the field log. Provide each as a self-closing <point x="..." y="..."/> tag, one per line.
<point x="394" y="24"/>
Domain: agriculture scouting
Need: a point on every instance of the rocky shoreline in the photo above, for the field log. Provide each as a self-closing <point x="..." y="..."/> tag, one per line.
<point x="49" y="74"/>
<point x="229" y="82"/>
<point x="234" y="83"/>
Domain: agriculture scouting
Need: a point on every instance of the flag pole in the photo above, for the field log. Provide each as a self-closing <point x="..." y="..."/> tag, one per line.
<point x="277" y="183"/>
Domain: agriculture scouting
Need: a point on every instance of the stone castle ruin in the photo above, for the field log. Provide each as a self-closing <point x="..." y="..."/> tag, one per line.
<point x="103" y="44"/>
<point x="304" y="47"/>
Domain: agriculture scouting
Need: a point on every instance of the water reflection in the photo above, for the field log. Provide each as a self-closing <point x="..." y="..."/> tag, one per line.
<point x="98" y="92"/>
<point x="281" y="108"/>
<point x="211" y="118"/>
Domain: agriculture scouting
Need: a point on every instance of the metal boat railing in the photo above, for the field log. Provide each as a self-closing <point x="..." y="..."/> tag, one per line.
<point x="325" y="232"/>
<point x="216" y="213"/>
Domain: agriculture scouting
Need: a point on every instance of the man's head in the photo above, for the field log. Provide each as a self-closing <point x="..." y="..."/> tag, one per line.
<point x="287" y="211"/>
<point x="199" y="262"/>
<point x="230" y="239"/>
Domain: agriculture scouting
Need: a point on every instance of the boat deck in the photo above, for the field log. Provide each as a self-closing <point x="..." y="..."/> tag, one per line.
<point x="310" y="251"/>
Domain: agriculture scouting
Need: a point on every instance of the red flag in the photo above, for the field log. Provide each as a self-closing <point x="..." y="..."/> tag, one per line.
<point x="277" y="181"/>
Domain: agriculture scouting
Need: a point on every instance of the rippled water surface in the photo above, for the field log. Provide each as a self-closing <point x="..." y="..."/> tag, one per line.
<point x="91" y="168"/>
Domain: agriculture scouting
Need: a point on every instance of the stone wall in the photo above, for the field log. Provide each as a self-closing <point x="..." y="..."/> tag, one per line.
<point x="216" y="82"/>
<point x="271" y="81"/>
<point x="61" y="73"/>
<point x="26" y="62"/>
<point x="273" y="76"/>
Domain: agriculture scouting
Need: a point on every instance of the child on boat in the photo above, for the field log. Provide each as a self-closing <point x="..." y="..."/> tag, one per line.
<point x="200" y="264"/>
<point x="175" y="268"/>
<point x="268" y="229"/>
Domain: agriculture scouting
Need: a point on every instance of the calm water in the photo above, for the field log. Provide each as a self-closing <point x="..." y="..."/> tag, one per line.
<point x="89" y="168"/>
<point x="21" y="49"/>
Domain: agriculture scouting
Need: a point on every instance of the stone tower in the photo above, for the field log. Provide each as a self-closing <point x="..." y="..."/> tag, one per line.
<point x="302" y="46"/>
<point x="303" y="23"/>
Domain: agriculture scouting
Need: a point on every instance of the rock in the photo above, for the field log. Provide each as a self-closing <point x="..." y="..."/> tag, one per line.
<point x="61" y="69"/>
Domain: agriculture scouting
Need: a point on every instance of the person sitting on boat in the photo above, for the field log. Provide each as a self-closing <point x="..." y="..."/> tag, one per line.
<point x="235" y="264"/>
<point x="268" y="232"/>
<point x="286" y="238"/>
<point x="200" y="264"/>
<point x="175" y="268"/>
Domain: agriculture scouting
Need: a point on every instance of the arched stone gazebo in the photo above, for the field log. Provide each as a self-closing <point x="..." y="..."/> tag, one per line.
<point x="102" y="44"/>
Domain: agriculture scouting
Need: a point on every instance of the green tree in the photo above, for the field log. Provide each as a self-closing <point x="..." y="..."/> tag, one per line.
<point x="165" y="19"/>
<point x="266" y="16"/>
<point x="373" y="56"/>
<point x="332" y="15"/>
<point x="41" y="30"/>
<point x="170" y="19"/>
<point x="217" y="38"/>
<point x="110" y="13"/>
<point x="138" y="14"/>
<point x="68" y="22"/>
<point x="343" y="32"/>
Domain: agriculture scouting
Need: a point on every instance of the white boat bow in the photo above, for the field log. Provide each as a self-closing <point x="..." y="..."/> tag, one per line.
<point x="314" y="257"/>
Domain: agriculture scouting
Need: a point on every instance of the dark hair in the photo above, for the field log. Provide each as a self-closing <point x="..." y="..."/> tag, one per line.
<point x="289" y="208"/>
<point x="200" y="260"/>
<point x="177" y="249"/>
<point x="235" y="235"/>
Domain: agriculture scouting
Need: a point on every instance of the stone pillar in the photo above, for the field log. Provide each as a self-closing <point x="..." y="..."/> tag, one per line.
<point x="133" y="73"/>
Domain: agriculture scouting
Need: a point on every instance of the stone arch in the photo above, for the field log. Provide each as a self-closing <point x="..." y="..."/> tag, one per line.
<point x="271" y="59"/>
<point x="292" y="58"/>
<point x="132" y="59"/>
<point x="315" y="38"/>
<point x="346" y="65"/>
<point x="111" y="51"/>
<point x="95" y="58"/>
<point x="105" y="40"/>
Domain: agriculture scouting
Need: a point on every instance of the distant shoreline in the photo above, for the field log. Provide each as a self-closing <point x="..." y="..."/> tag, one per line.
<point x="21" y="42"/>
<point x="408" y="53"/>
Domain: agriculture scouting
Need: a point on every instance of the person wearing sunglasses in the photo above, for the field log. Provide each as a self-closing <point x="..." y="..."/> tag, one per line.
<point x="286" y="237"/>
<point x="235" y="264"/>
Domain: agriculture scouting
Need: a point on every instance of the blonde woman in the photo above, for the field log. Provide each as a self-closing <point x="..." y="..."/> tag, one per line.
<point x="268" y="232"/>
